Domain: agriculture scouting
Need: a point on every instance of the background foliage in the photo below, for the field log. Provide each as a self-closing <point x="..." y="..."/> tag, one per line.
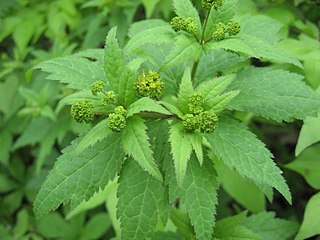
<point x="34" y="127"/>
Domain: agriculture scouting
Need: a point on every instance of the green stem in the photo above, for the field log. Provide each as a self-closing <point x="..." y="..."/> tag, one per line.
<point x="155" y="115"/>
<point x="205" y="27"/>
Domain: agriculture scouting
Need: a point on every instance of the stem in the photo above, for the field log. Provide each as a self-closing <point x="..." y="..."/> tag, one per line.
<point x="155" y="115"/>
<point x="205" y="26"/>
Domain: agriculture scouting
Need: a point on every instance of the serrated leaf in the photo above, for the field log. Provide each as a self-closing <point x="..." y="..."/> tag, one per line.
<point x="185" y="9"/>
<point x="135" y="143"/>
<point x="185" y="90"/>
<point x="270" y="228"/>
<point x="181" y="150"/>
<point x="277" y="94"/>
<point x="199" y="194"/>
<point x="172" y="106"/>
<point x="119" y="76"/>
<point x="239" y="149"/>
<point x="142" y="202"/>
<point x="181" y="220"/>
<point x="184" y="50"/>
<point x="77" y="73"/>
<point x="77" y="178"/>
<point x="219" y="103"/>
<point x="94" y="135"/>
<point x="196" y="143"/>
<point x="146" y="104"/>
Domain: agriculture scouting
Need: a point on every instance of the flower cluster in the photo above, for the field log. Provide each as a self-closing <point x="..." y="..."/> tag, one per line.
<point x="184" y="24"/>
<point x="82" y="112"/>
<point x="232" y="28"/>
<point x="196" y="101"/>
<point x="208" y="4"/>
<point x="117" y="120"/>
<point x="97" y="87"/>
<point x="109" y="98"/>
<point x="149" y="85"/>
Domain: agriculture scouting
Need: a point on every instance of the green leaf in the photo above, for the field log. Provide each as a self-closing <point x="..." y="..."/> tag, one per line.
<point x="307" y="164"/>
<point x="220" y="103"/>
<point x="149" y="5"/>
<point x="119" y="76"/>
<point x="270" y="228"/>
<point x="96" y="227"/>
<point x="142" y="202"/>
<point x="58" y="227"/>
<point x="146" y="104"/>
<point x="277" y="94"/>
<point x="95" y="134"/>
<point x="199" y="194"/>
<point x="196" y="143"/>
<point x="181" y="150"/>
<point x="185" y="90"/>
<point x="77" y="178"/>
<point x="77" y="73"/>
<point x="135" y="142"/>
<point x="309" y="134"/>
<point x="184" y="50"/>
<point x="239" y="149"/>
<point x="185" y="9"/>
<point x="181" y="220"/>
<point x="311" y="219"/>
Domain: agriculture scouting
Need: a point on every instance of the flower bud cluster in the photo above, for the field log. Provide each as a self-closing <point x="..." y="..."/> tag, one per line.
<point x="117" y="120"/>
<point x="82" y="112"/>
<point x="149" y="85"/>
<point x="97" y="87"/>
<point x="184" y="24"/>
<point x="208" y="4"/>
<point x="232" y="28"/>
<point x="109" y="98"/>
<point x="196" y="101"/>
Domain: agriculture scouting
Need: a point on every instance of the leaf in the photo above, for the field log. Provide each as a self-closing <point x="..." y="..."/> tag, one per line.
<point x="309" y="134"/>
<point x="311" y="219"/>
<point x="196" y="143"/>
<point x="184" y="50"/>
<point x="220" y="103"/>
<point x="149" y="5"/>
<point x="307" y="164"/>
<point x="181" y="220"/>
<point x="119" y="76"/>
<point x="277" y="94"/>
<point x="185" y="9"/>
<point x="96" y="226"/>
<point x="142" y="202"/>
<point x="94" y="135"/>
<point x="135" y="143"/>
<point x="77" y="178"/>
<point x="199" y="194"/>
<point x="181" y="151"/>
<point x="270" y="228"/>
<point x="146" y="104"/>
<point x="185" y="90"/>
<point x="239" y="149"/>
<point x="77" y="73"/>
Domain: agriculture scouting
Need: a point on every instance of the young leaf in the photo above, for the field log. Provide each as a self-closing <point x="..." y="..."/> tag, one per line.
<point x="142" y="202"/>
<point x="146" y="104"/>
<point x="181" y="150"/>
<point x="185" y="90"/>
<point x="239" y="149"/>
<point x="219" y="103"/>
<point x="135" y="142"/>
<point x="76" y="178"/>
<point x="277" y="94"/>
<point x="199" y="194"/>
<point x="119" y="76"/>
<point x="196" y="143"/>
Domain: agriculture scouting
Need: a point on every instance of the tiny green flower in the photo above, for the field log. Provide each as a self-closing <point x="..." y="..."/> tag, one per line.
<point x="219" y="33"/>
<point x="82" y="112"/>
<point x="97" y="87"/>
<point x="208" y="121"/>
<point x="190" y="122"/>
<point x="109" y="98"/>
<point x="208" y="4"/>
<point x="120" y="110"/>
<point x="233" y="28"/>
<point x="190" y="26"/>
<point x="196" y="101"/>
<point x="177" y="23"/>
<point x="116" y="122"/>
<point x="149" y="85"/>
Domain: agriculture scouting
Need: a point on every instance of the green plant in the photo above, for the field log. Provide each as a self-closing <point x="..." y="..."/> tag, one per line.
<point x="167" y="136"/>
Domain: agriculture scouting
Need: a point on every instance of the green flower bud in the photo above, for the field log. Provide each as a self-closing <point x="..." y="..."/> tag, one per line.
<point x="208" y="4"/>
<point x="219" y="33"/>
<point x="82" y="112"/>
<point x="109" y="98"/>
<point x="149" y="85"/>
<point x="208" y="121"/>
<point x="97" y="87"/>
<point x="190" y="122"/>
<point x="190" y="26"/>
<point x="177" y="23"/>
<point x="233" y="28"/>
<point x="196" y="101"/>
<point x="120" y="110"/>
<point x="117" y="122"/>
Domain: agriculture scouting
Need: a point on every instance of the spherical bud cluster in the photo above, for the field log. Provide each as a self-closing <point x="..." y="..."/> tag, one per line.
<point x="109" y="98"/>
<point x="149" y="85"/>
<point x="97" y="87"/>
<point x="208" y="4"/>
<point x="233" y="28"/>
<point x="117" y="120"/>
<point x="196" y="102"/>
<point x="190" y="122"/>
<point x="184" y="24"/>
<point x="208" y="121"/>
<point x="219" y="32"/>
<point x="82" y="112"/>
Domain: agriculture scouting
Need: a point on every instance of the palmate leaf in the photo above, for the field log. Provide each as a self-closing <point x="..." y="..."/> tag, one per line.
<point x="277" y="94"/>
<point x="199" y="194"/>
<point x="239" y="149"/>
<point x="119" y="76"/>
<point x="77" y="178"/>
<point x="142" y="202"/>
<point x="135" y="142"/>
<point x="146" y="104"/>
